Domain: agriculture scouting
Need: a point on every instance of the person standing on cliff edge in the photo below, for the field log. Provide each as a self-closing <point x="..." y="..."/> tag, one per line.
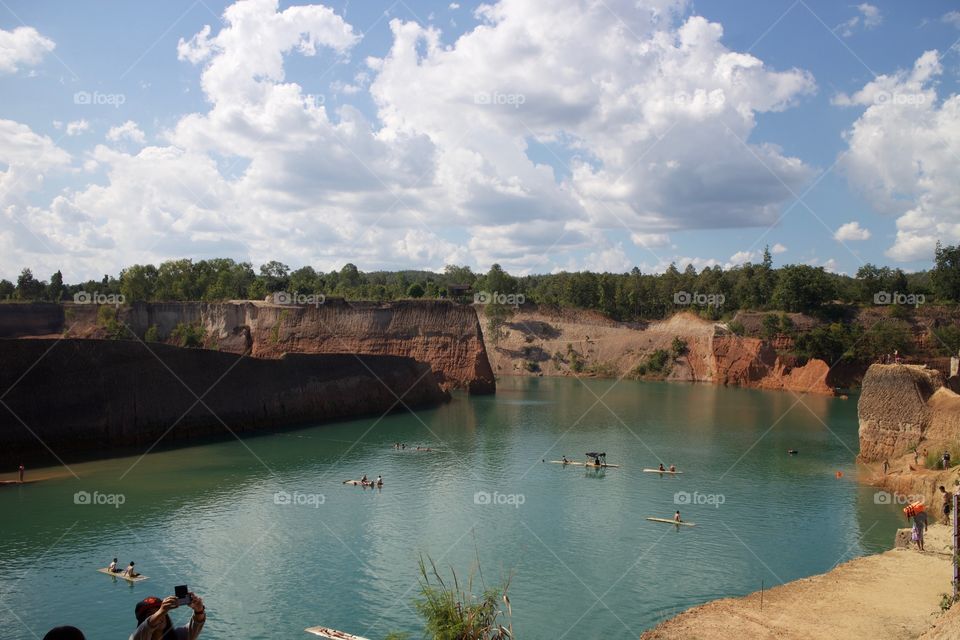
<point x="947" y="503"/>
<point x="20" y="473"/>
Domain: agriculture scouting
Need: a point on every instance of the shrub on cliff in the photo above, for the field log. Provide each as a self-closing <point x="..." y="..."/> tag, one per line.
<point x="188" y="335"/>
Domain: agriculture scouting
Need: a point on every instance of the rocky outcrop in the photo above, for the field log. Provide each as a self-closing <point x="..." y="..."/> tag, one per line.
<point x="893" y="409"/>
<point x="67" y="397"/>
<point x="445" y="335"/>
<point x="557" y="342"/>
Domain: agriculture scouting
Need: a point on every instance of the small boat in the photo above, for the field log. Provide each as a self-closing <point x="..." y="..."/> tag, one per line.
<point x="672" y="521"/>
<point x="661" y="471"/>
<point x="120" y="575"/>
<point x="792" y="452"/>
<point x="332" y="634"/>
<point x="584" y="464"/>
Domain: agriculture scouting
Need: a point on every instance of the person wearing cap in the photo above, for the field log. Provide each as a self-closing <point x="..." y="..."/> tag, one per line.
<point x="64" y="633"/>
<point x="154" y="623"/>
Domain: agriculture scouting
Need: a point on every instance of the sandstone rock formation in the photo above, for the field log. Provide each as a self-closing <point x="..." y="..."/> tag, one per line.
<point x="893" y="409"/>
<point x="445" y="335"/>
<point x="69" y="396"/>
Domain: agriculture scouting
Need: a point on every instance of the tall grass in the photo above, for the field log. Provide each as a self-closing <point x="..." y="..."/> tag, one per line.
<point x="452" y="611"/>
<point x="934" y="456"/>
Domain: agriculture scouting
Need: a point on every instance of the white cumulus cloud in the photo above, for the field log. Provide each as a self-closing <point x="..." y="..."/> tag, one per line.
<point x="24" y="46"/>
<point x="127" y="131"/>
<point x="901" y="156"/>
<point x="851" y="231"/>
<point x="76" y="127"/>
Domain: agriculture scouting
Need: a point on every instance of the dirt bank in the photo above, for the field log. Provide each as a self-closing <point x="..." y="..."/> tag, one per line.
<point x="557" y="342"/>
<point x="893" y="595"/>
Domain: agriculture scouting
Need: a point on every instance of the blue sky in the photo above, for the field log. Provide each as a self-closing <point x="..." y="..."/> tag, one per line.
<point x="372" y="133"/>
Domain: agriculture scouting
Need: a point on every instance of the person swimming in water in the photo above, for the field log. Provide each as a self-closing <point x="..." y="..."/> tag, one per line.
<point x="379" y="481"/>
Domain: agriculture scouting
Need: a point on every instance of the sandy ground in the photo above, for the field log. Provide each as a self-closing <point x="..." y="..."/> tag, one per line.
<point x="893" y="595"/>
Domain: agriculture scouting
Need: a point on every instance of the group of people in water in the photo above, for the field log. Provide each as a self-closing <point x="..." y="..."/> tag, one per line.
<point x="370" y="483"/>
<point x="401" y="446"/>
<point x="129" y="572"/>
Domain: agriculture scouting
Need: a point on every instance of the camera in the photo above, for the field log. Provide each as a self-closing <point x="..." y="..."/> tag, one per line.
<point x="183" y="595"/>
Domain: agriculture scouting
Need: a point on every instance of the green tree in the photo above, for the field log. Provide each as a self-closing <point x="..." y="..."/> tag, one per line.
<point x="415" y="290"/>
<point x="28" y="287"/>
<point x="138" y="283"/>
<point x="945" y="277"/>
<point x="7" y="289"/>
<point x="55" y="289"/>
<point x="275" y="276"/>
<point x="802" y="288"/>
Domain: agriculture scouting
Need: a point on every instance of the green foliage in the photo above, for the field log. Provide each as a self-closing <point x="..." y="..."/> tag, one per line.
<point x="945" y="277"/>
<point x="679" y="347"/>
<point x="831" y="343"/>
<point x="803" y="288"/>
<point x="737" y="327"/>
<point x="6" y="289"/>
<point x="947" y="339"/>
<point x="107" y="318"/>
<point x="658" y="362"/>
<point x="576" y="363"/>
<point x="771" y="326"/>
<point x="189" y="335"/>
<point x="454" y="612"/>
<point x="531" y="366"/>
<point x="151" y="334"/>
<point x="497" y="316"/>
<point x="28" y="287"/>
<point x="415" y="290"/>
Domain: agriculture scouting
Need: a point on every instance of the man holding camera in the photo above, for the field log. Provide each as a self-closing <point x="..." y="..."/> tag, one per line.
<point x="153" y="619"/>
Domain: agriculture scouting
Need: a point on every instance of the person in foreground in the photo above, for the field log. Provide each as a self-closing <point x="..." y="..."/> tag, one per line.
<point x="64" y="633"/>
<point x="154" y="623"/>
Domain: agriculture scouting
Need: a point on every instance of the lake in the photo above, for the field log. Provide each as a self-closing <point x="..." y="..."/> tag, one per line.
<point x="265" y="531"/>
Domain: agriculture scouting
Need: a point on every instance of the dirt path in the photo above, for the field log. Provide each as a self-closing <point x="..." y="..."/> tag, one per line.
<point x="894" y="595"/>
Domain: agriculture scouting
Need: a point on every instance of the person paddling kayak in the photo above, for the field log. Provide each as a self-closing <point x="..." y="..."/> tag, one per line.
<point x="676" y="517"/>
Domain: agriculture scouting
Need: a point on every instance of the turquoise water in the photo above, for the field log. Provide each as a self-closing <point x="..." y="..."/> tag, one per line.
<point x="583" y="560"/>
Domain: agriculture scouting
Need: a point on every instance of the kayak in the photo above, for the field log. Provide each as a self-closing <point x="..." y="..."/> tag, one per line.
<point x="584" y="464"/>
<point x="121" y="576"/>
<point x="671" y="521"/>
<point x="659" y="471"/>
<point x="361" y="483"/>
<point x="332" y="634"/>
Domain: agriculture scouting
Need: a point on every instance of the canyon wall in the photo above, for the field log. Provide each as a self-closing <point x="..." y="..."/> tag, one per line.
<point x="443" y="334"/>
<point x="893" y="409"/>
<point x="65" y="397"/>
<point x="556" y="342"/>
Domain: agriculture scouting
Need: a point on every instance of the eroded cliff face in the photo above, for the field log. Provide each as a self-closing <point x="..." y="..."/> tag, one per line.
<point x="893" y="409"/>
<point x="445" y="335"/>
<point x="68" y="396"/>
<point x="547" y="342"/>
